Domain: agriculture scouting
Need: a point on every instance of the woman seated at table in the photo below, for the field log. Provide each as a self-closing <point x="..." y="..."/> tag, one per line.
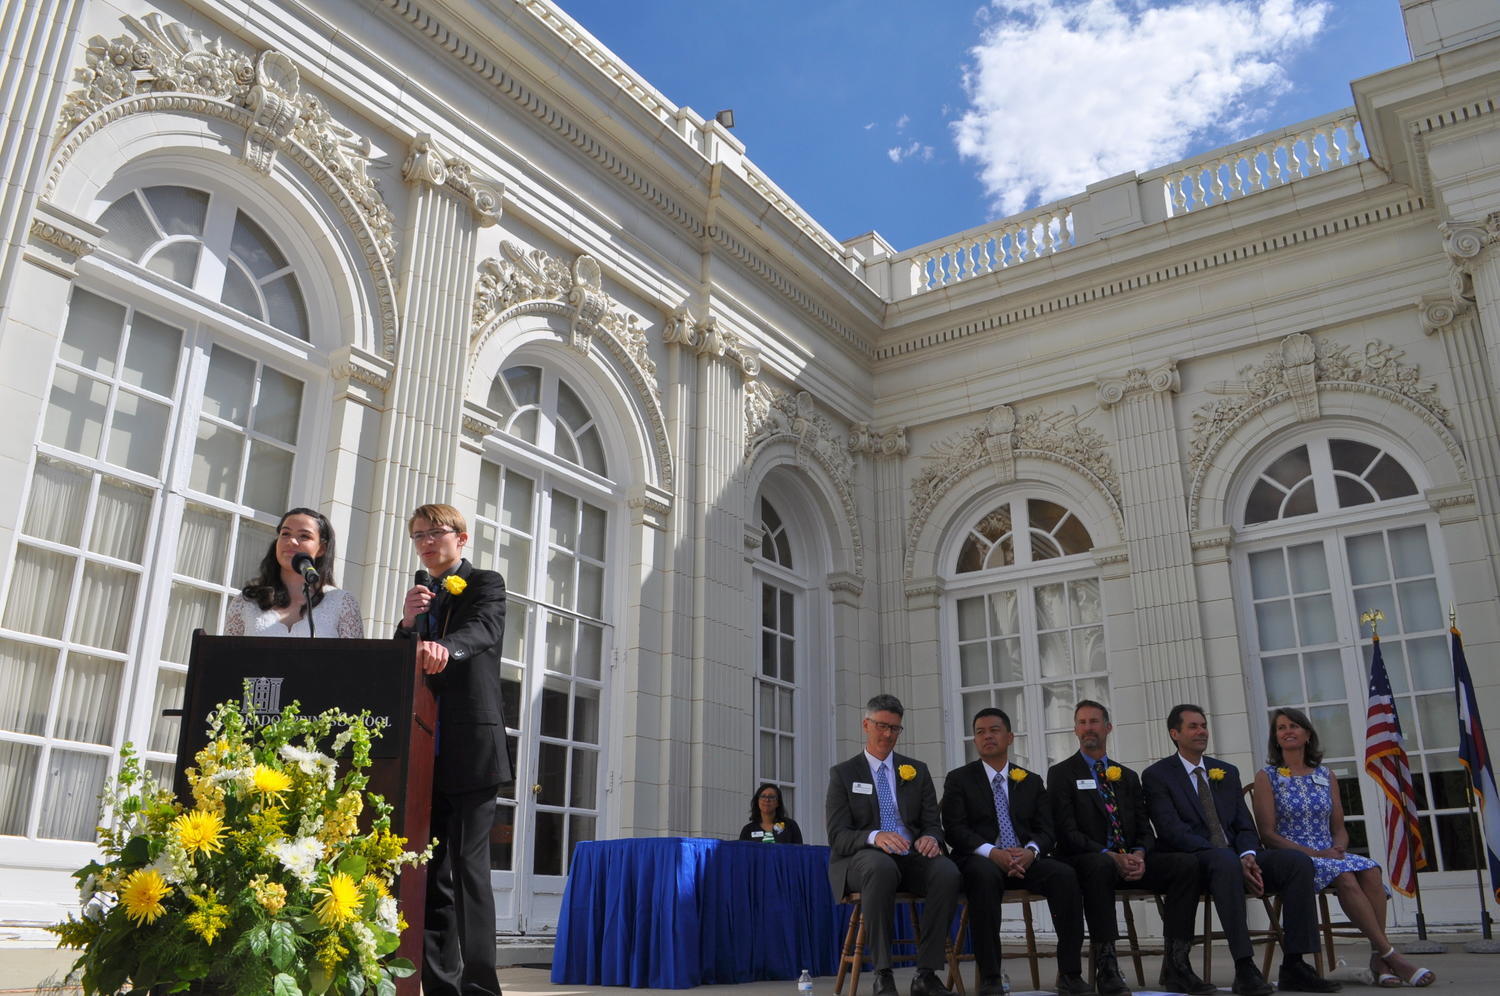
<point x="275" y="603"/>
<point x="1297" y="807"/>
<point x="769" y="822"/>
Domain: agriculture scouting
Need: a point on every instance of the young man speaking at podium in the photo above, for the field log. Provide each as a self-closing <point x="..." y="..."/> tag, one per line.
<point x="457" y="612"/>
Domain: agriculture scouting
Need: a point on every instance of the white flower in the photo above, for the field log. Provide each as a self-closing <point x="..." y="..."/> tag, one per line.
<point x="241" y="776"/>
<point x="97" y="907"/>
<point x="385" y="913"/>
<point x="364" y="941"/>
<point x="300" y="856"/>
<point x="310" y="762"/>
<point x="174" y="864"/>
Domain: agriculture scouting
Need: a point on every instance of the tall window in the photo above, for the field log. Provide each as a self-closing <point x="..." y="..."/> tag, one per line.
<point x="167" y="449"/>
<point x="776" y="682"/>
<point x="1029" y="624"/>
<point x="1308" y="585"/>
<point x="543" y="521"/>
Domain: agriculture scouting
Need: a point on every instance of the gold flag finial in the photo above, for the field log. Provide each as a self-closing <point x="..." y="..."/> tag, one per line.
<point x="1373" y="618"/>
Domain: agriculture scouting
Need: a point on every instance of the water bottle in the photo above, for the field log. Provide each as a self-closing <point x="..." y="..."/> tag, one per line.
<point x="1005" y="983"/>
<point x="804" y="984"/>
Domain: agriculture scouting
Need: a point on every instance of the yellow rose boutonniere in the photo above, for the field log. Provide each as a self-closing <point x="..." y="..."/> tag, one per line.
<point x="907" y="772"/>
<point x="454" y="584"/>
<point x="1216" y="774"/>
<point x="1017" y="774"/>
<point x="1284" y="771"/>
<point x="1114" y="772"/>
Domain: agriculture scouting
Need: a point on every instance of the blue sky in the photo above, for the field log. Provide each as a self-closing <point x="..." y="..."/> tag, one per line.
<point x="919" y="120"/>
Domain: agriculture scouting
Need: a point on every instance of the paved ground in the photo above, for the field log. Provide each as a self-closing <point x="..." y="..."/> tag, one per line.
<point x="23" y="968"/>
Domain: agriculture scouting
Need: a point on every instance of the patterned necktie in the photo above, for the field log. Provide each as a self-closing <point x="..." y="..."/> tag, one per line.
<point x="890" y="816"/>
<point x="1107" y="793"/>
<point x="1002" y="813"/>
<point x="1210" y="812"/>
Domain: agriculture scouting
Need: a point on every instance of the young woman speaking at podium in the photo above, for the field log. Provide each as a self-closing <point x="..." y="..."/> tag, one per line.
<point x="293" y="593"/>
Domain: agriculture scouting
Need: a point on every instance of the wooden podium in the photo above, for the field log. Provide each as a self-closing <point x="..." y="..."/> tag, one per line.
<point x="380" y="676"/>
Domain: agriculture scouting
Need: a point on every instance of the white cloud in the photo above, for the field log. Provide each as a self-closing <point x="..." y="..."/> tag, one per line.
<point x="1066" y="92"/>
<point x="915" y="150"/>
<point x="869" y="126"/>
<point x="902" y="122"/>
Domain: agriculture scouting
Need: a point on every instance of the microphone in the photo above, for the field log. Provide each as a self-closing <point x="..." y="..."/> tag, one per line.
<point x="423" y="580"/>
<point x="303" y="564"/>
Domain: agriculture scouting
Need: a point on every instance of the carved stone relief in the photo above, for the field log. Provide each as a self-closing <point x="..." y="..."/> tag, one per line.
<point x="885" y="443"/>
<point x="1465" y="243"/>
<point x="998" y="442"/>
<point x="683" y="328"/>
<point x="427" y="163"/>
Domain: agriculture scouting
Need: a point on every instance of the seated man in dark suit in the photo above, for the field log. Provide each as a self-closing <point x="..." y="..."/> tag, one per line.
<point x="885" y="836"/>
<point x="1198" y="808"/>
<point x="1104" y="832"/>
<point x="1000" y="825"/>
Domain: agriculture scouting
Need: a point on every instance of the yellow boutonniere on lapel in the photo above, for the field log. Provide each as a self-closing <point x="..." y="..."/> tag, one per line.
<point x="778" y="827"/>
<point x="906" y="772"/>
<point x="1216" y="774"/>
<point x="1114" y="772"/>
<point x="1284" y="771"/>
<point x="1017" y="774"/>
<point x="454" y="584"/>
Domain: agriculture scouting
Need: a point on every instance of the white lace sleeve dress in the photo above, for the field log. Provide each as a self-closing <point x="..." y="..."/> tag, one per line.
<point x="336" y="615"/>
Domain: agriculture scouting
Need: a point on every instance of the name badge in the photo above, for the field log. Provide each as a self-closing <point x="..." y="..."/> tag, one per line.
<point x="863" y="788"/>
<point x="1320" y="780"/>
<point x="1086" y="783"/>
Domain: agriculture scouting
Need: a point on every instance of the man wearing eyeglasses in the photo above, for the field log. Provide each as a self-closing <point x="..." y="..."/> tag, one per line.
<point x="459" y="622"/>
<point x="885" y="835"/>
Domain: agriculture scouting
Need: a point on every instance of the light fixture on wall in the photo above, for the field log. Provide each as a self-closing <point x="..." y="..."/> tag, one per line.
<point x="725" y="117"/>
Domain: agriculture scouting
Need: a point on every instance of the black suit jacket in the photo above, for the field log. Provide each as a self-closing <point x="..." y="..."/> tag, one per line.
<point x="969" y="809"/>
<point x="1180" y="823"/>
<point x="852" y="815"/>
<point x="1079" y="816"/>
<point x="472" y="753"/>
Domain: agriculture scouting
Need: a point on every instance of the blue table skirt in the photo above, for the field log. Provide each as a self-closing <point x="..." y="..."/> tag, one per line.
<point x="677" y="912"/>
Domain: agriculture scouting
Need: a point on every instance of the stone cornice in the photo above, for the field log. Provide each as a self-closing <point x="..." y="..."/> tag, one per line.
<point x="1183" y="268"/>
<point x="1418" y="131"/>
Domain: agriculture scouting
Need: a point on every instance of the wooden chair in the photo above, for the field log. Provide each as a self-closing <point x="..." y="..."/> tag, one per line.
<point x="1125" y="897"/>
<point x="1032" y="955"/>
<point x="852" y="954"/>
<point x="1327" y="929"/>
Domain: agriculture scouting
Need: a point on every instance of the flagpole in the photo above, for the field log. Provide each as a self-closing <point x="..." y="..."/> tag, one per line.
<point x="1487" y="944"/>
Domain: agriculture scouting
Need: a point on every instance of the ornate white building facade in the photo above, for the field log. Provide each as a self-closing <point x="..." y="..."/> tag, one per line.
<point x="1162" y="441"/>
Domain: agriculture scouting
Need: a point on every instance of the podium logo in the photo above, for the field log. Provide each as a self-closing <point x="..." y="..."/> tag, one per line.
<point x="265" y="694"/>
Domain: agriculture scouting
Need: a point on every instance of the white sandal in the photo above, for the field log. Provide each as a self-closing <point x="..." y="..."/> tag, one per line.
<point x="1419" y="977"/>
<point x="1383" y="976"/>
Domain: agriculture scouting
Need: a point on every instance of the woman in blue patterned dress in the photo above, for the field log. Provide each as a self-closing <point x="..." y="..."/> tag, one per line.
<point x="1297" y="807"/>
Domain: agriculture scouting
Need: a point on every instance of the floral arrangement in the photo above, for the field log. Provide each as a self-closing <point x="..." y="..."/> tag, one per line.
<point x="1216" y="774"/>
<point x="266" y="885"/>
<point x="1018" y="774"/>
<point x="454" y="584"/>
<point x="1114" y="772"/>
<point x="907" y="772"/>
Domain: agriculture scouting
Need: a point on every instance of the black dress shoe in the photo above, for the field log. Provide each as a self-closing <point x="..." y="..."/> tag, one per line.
<point x="925" y="983"/>
<point x="1249" y="982"/>
<point x="1177" y="975"/>
<point x="992" y="985"/>
<point x="1107" y="977"/>
<point x="885" y="982"/>
<point x="1073" y="984"/>
<point x="1300" y="977"/>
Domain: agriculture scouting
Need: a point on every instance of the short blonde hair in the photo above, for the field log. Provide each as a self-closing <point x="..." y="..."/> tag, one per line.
<point x="440" y="515"/>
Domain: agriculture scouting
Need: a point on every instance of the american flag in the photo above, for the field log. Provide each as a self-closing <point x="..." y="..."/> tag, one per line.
<point x="1385" y="761"/>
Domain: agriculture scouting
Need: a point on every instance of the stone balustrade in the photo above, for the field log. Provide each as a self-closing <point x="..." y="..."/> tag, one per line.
<point x="1261" y="163"/>
<point x="996" y="246"/>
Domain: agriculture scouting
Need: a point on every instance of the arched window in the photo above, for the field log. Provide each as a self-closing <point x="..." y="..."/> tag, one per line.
<point x="782" y="604"/>
<point x="1028" y="624"/>
<point x="173" y="436"/>
<point x="1308" y="583"/>
<point x="546" y="517"/>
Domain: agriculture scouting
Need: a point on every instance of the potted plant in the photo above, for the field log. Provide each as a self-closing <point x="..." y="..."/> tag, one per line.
<point x="277" y="879"/>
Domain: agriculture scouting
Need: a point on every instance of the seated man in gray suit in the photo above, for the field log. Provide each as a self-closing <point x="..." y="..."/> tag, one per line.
<point x="885" y="835"/>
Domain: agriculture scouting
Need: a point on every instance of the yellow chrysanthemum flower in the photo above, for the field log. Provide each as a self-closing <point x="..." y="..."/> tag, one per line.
<point x="1216" y="774"/>
<point x="200" y="832"/>
<point x="1284" y="771"/>
<point x="455" y="584"/>
<point x="375" y="885"/>
<point x="907" y="772"/>
<point x="1017" y="774"/>
<point x="1114" y="772"/>
<point x="142" y="893"/>
<point x="268" y="781"/>
<point x="340" y="902"/>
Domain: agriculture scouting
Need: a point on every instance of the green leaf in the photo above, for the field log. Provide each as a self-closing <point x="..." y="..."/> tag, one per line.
<point x="400" y="967"/>
<point x="137" y="851"/>
<point x="354" y="984"/>
<point x="258" y="939"/>
<point x="319" y="980"/>
<point x="385" y="987"/>
<point x="354" y="866"/>
<point x="386" y="941"/>
<point x="285" y="985"/>
<point x="283" y="945"/>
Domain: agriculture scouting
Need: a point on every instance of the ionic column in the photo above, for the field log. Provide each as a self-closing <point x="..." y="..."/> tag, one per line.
<point x="420" y="434"/>
<point x="887" y="450"/>
<point x="1162" y="584"/>
<point x="1475" y="278"/>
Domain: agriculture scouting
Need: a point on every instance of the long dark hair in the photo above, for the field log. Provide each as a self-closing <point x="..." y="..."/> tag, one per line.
<point x="267" y="589"/>
<point x="780" y="816"/>
<point x="1312" y="753"/>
